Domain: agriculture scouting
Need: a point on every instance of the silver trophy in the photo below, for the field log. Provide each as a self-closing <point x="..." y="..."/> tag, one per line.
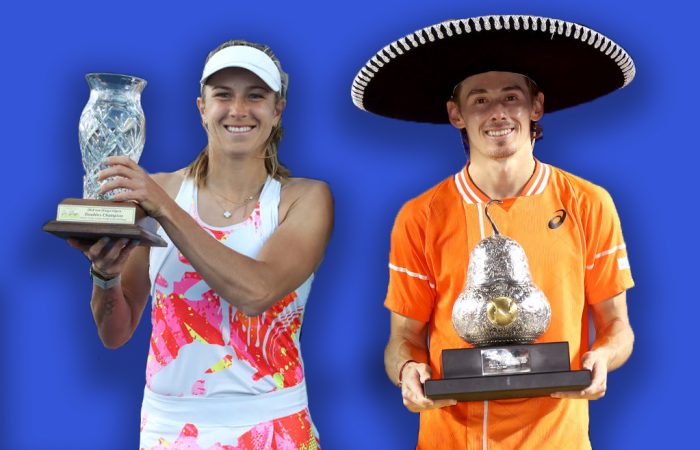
<point x="501" y="312"/>
<point x="500" y="304"/>
<point x="111" y="124"/>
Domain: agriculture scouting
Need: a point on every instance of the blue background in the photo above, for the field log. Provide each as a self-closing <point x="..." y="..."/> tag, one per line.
<point x="62" y="389"/>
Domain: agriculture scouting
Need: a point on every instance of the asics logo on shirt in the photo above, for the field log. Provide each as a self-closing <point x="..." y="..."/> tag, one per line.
<point x="557" y="220"/>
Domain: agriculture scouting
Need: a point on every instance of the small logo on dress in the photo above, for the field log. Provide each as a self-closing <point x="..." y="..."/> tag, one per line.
<point x="558" y="219"/>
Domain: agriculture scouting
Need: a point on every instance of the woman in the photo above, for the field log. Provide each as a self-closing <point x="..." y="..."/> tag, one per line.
<point x="224" y="369"/>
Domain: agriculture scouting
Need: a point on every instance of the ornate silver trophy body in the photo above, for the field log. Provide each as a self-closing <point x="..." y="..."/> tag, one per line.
<point x="112" y="124"/>
<point x="500" y="304"/>
<point x="500" y="312"/>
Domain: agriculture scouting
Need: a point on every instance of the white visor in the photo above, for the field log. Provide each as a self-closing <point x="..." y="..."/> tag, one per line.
<point x="245" y="57"/>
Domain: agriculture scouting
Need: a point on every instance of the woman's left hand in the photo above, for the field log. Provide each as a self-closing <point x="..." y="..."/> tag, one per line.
<point x="140" y="186"/>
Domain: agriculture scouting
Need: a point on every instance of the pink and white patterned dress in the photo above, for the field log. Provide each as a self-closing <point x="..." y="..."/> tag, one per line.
<point x="215" y="378"/>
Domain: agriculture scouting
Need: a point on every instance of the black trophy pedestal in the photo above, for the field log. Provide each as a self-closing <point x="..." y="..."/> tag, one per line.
<point x="513" y="371"/>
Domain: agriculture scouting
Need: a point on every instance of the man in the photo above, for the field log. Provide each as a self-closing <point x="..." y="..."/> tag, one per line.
<point x="496" y="74"/>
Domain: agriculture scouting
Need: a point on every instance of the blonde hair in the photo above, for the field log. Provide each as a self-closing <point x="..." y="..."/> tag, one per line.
<point x="199" y="167"/>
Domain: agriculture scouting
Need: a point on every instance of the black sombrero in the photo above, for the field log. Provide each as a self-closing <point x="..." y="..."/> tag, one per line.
<point x="413" y="77"/>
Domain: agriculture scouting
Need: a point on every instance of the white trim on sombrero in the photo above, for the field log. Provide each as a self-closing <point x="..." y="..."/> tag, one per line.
<point x="412" y="274"/>
<point x="606" y="252"/>
<point x="449" y="27"/>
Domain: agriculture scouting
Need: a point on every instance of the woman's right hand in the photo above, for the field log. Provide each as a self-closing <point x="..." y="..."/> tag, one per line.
<point x="107" y="256"/>
<point x="138" y="186"/>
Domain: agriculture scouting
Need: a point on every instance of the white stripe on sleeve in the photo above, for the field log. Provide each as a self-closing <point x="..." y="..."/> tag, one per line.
<point x="606" y="252"/>
<point x="411" y="274"/>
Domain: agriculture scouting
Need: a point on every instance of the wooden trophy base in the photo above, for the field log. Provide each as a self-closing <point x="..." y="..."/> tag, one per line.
<point x="90" y="220"/>
<point x="513" y="371"/>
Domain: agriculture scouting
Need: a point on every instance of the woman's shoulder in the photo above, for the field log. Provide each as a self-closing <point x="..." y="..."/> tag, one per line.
<point x="294" y="189"/>
<point x="301" y="185"/>
<point x="170" y="181"/>
<point x="303" y="193"/>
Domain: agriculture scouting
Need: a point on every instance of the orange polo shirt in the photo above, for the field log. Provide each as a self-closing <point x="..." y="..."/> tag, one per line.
<point x="571" y="234"/>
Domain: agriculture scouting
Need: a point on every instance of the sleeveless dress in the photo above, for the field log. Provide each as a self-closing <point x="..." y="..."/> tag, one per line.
<point x="215" y="378"/>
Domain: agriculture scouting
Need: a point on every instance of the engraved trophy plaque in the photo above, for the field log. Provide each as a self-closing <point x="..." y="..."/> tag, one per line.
<point x="500" y="312"/>
<point x="111" y="124"/>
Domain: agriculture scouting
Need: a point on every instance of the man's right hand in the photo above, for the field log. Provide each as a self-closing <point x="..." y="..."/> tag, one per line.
<point x="414" y="377"/>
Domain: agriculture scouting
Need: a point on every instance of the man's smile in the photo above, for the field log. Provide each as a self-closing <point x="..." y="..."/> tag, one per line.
<point x="500" y="132"/>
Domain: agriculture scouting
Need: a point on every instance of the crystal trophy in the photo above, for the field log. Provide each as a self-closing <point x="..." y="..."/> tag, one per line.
<point x="111" y="124"/>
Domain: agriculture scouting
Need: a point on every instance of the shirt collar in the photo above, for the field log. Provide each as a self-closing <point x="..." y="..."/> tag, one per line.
<point x="472" y="194"/>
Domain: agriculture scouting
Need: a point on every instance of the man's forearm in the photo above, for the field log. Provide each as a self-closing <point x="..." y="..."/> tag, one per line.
<point x="614" y="336"/>
<point x="398" y="351"/>
<point x="616" y="341"/>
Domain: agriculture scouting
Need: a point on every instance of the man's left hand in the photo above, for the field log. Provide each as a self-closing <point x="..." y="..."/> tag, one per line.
<point x="597" y="362"/>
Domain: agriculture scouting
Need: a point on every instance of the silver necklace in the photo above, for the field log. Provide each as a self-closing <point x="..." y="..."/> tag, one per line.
<point x="228" y="211"/>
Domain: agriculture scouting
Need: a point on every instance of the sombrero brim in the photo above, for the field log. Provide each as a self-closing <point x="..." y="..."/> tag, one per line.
<point x="413" y="77"/>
